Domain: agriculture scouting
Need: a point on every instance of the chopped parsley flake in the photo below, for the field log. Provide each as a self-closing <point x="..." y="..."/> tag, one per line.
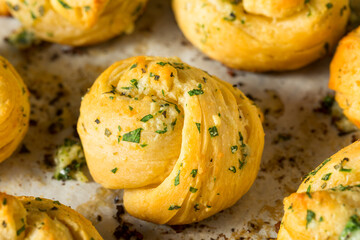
<point x="64" y="4"/>
<point x="326" y="177"/>
<point x="147" y="118"/>
<point x="107" y="132"/>
<point x="20" y="230"/>
<point x="213" y="131"/>
<point x="312" y="173"/>
<point x="114" y="170"/>
<point x="233" y="169"/>
<point x="329" y="5"/>
<point x="231" y="17"/>
<point x="198" y="125"/>
<point x="310" y="215"/>
<point x="196" y="207"/>
<point x="162" y="63"/>
<point x="351" y="229"/>
<point x="308" y="191"/>
<point x="177" y="179"/>
<point x="133" y="66"/>
<point x="97" y="121"/>
<point x="162" y="131"/>
<point x="4" y="201"/>
<point x="134" y="82"/>
<point x="131" y="108"/>
<point x="174" y="207"/>
<point x="234" y="149"/>
<point x="193" y="190"/>
<point x="193" y="172"/>
<point x="38" y="199"/>
<point x="196" y="92"/>
<point x="133" y="136"/>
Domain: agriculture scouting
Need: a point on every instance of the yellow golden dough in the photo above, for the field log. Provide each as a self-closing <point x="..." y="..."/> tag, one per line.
<point x="14" y="109"/>
<point x="3" y="8"/>
<point x="78" y="22"/>
<point x="38" y="218"/>
<point x="263" y="35"/>
<point x="184" y="144"/>
<point x="345" y="76"/>
<point x="327" y="204"/>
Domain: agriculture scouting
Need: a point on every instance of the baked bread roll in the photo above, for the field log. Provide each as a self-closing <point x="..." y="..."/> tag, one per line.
<point x="182" y="143"/>
<point x="14" y="109"/>
<point x="345" y="76"/>
<point x="77" y="23"/>
<point x="3" y="8"/>
<point x="258" y="35"/>
<point x="39" y="218"/>
<point x="326" y="205"/>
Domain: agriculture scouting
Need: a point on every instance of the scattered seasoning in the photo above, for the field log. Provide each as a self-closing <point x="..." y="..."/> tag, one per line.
<point x="196" y="91"/>
<point x="131" y="108"/>
<point x="147" y="118"/>
<point x="241" y="164"/>
<point x="33" y="16"/>
<point x="342" y="10"/>
<point x="312" y="173"/>
<point x="306" y="1"/>
<point x="231" y="17"/>
<point x="193" y="190"/>
<point x="87" y="8"/>
<point x="133" y="136"/>
<point x="133" y="66"/>
<point x="97" y="121"/>
<point x="134" y="83"/>
<point x="174" y="207"/>
<point x="64" y="4"/>
<point x="196" y="207"/>
<point x="20" y="230"/>
<point x="143" y="145"/>
<point x="162" y="63"/>
<point x="4" y="201"/>
<point x="38" y="199"/>
<point x="176" y="108"/>
<point x="234" y="149"/>
<point x="193" y="172"/>
<point x="173" y="124"/>
<point x="213" y="131"/>
<point x="56" y="202"/>
<point x="198" y="125"/>
<point x="310" y="215"/>
<point x="114" y="170"/>
<point x="340" y="165"/>
<point x="177" y="179"/>
<point x="351" y="228"/>
<point x="321" y="219"/>
<point x="233" y="169"/>
<point x="107" y="132"/>
<point x="111" y="97"/>
<point x="162" y="131"/>
<point x="326" y="177"/>
<point x="329" y="5"/>
<point x="308" y="191"/>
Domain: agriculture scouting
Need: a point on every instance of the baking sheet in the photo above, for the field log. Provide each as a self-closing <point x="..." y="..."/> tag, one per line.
<point x="298" y="137"/>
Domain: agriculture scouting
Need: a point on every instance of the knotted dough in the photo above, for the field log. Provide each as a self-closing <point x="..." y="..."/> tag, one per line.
<point x="182" y="143"/>
<point x="327" y="203"/>
<point x="77" y="22"/>
<point x="259" y="35"/>
<point x="14" y="109"/>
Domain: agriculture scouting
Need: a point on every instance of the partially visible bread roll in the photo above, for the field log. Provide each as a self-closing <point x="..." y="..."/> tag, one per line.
<point x="263" y="35"/>
<point x="327" y="204"/>
<point x="3" y="8"/>
<point x="345" y="76"/>
<point x="42" y="219"/>
<point x="14" y="109"/>
<point x="77" y="22"/>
